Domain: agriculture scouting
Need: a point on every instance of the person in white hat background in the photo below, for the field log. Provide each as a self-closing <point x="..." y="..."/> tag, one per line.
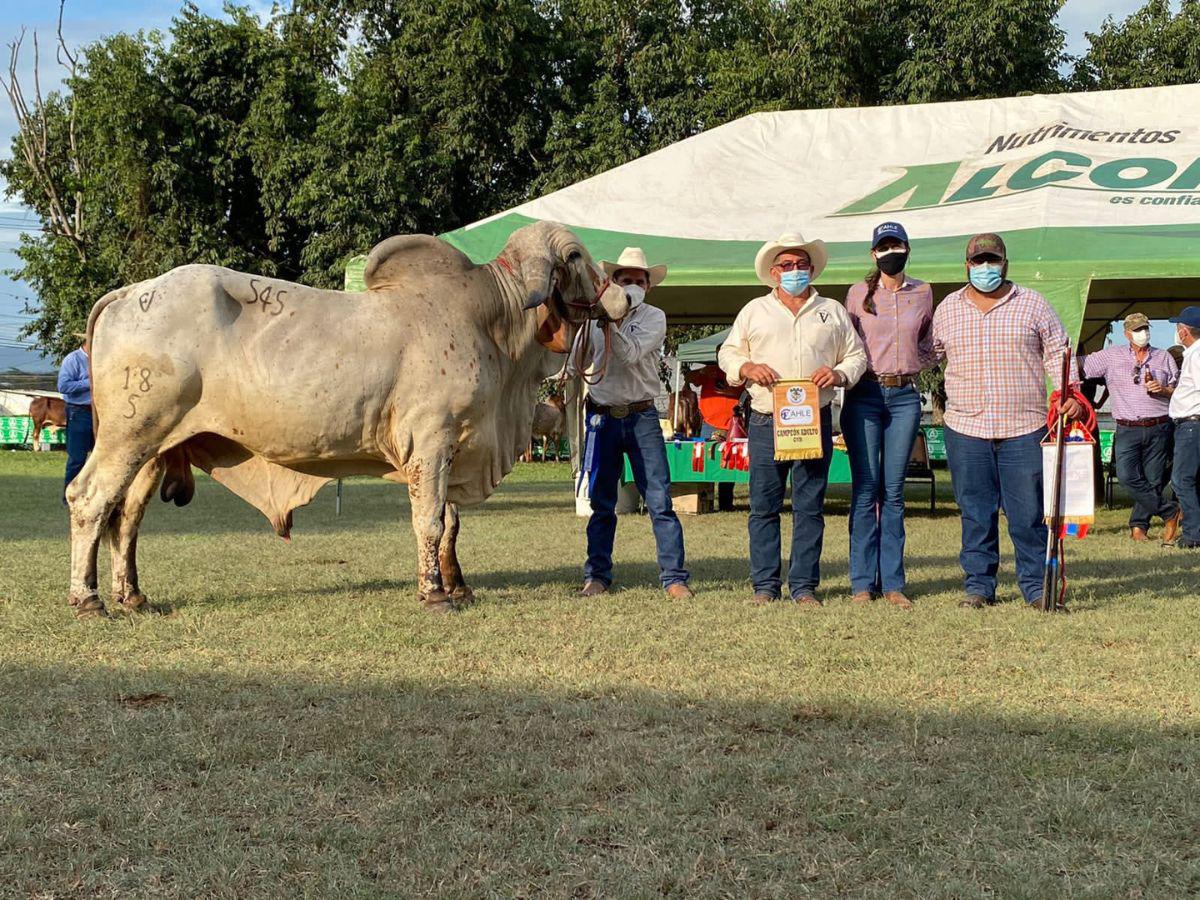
<point x="622" y="420"/>
<point x="790" y="333"/>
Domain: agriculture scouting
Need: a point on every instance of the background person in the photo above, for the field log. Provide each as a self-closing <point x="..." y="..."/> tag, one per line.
<point x="1185" y="413"/>
<point x="791" y="333"/>
<point x="718" y="401"/>
<point x="1140" y="380"/>
<point x="1001" y="342"/>
<point x="623" y="401"/>
<point x="893" y="314"/>
<point x="75" y="385"/>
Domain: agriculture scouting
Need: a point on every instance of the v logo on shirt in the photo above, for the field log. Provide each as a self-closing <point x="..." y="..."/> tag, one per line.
<point x="824" y="317"/>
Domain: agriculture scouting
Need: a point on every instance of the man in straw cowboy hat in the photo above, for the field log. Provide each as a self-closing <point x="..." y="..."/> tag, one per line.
<point x="76" y="387"/>
<point x="791" y="333"/>
<point x="621" y="419"/>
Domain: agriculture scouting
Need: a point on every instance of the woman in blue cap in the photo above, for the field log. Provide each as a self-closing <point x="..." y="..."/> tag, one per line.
<point x="893" y="315"/>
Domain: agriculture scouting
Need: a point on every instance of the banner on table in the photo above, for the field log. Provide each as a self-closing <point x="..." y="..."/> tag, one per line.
<point x="797" y="420"/>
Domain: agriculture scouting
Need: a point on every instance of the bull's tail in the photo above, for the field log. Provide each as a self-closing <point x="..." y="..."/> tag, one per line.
<point x="97" y="308"/>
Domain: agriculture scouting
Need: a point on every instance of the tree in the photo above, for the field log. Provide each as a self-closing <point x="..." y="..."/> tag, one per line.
<point x="180" y="151"/>
<point x="1149" y="48"/>
<point x="442" y="108"/>
<point x="965" y="49"/>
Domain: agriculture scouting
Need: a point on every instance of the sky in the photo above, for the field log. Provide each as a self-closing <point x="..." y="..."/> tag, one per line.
<point x="87" y="20"/>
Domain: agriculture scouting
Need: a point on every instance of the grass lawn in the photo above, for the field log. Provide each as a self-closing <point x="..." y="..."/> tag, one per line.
<point x="289" y="722"/>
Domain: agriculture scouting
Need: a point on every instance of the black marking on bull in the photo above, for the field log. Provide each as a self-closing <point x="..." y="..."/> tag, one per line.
<point x="145" y="299"/>
<point x="132" y="407"/>
<point x="141" y="376"/>
<point x="266" y="298"/>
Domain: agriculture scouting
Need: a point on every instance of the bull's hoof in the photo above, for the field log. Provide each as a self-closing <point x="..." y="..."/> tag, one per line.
<point x="134" y="602"/>
<point x="89" y="607"/>
<point x="437" y="602"/>
<point x="462" y="596"/>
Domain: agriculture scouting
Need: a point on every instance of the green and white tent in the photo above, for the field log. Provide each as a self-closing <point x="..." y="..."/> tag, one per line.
<point x="1097" y="195"/>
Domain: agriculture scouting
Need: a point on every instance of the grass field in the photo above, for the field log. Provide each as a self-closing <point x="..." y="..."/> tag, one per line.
<point x="290" y="723"/>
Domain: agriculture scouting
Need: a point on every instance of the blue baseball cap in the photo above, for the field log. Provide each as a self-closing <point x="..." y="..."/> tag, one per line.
<point x="1189" y="317"/>
<point x="888" y="230"/>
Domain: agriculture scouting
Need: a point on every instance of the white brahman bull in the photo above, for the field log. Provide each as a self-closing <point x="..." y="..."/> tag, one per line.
<point x="427" y="377"/>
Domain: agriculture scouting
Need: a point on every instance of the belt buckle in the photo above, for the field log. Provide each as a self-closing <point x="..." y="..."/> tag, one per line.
<point x="619" y="412"/>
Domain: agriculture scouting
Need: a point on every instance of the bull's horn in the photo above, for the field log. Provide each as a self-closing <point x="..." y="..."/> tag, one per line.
<point x="533" y="302"/>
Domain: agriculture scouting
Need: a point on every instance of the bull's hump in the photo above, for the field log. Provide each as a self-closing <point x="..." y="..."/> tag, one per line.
<point x="408" y="256"/>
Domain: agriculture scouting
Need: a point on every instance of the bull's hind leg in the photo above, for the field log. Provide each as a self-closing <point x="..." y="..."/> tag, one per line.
<point x="427" y="480"/>
<point x="93" y="495"/>
<point x="452" y="576"/>
<point x="124" y="523"/>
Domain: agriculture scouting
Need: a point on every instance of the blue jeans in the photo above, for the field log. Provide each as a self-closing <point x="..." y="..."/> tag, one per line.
<point x="879" y="425"/>
<point x="768" y="479"/>
<point x="80" y="439"/>
<point x="987" y="474"/>
<point x="639" y="436"/>
<point x="1143" y="457"/>
<point x="1183" y="478"/>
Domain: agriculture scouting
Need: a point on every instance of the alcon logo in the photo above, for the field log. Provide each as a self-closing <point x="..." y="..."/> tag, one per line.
<point x="946" y="184"/>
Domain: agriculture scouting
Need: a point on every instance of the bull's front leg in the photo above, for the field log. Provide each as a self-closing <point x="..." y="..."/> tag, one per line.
<point x="427" y="481"/>
<point x="452" y="576"/>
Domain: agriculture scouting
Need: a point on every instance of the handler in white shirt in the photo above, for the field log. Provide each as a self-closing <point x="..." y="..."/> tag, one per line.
<point x="791" y="333"/>
<point x="1185" y="412"/>
<point x="622" y="420"/>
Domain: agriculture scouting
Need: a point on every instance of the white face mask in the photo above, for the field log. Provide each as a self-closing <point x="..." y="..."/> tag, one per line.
<point x="1140" y="338"/>
<point x="636" y="295"/>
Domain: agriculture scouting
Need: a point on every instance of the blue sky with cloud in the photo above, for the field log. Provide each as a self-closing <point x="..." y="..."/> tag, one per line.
<point x="87" y="20"/>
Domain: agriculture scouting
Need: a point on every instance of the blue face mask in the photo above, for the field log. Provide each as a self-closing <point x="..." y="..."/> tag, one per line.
<point x="986" y="277"/>
<point x="796" y="281"/>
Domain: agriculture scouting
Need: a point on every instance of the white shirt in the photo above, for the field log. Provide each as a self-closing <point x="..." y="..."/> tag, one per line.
<point x="1186" y="399"/>
<point x="794" y="345"/>
<point x="632" y="374"/>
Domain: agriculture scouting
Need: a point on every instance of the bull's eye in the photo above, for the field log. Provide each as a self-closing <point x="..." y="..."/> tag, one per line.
<point x="573" y="256"/>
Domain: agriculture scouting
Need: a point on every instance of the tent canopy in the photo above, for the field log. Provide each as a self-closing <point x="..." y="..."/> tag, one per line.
<point x="702" y="350"/>
<point x="1096" y="194"/>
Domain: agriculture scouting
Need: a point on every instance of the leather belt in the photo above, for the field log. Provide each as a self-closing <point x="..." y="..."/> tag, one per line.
<point x="1143" y="423"/>
<point x="890" y="380"/>
<point x="620" y="411"/>
<point x="1188" y="419"/>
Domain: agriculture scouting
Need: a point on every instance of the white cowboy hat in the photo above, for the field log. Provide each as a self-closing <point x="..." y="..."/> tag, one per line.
<point x="634" y="258"/>
<point x="790" y="240"/>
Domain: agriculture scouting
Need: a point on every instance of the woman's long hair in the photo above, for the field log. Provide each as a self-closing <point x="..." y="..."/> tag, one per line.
<point x="872" y="284"/>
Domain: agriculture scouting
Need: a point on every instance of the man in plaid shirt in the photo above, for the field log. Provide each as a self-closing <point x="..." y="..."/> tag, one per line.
<point x="1000" y="342"/>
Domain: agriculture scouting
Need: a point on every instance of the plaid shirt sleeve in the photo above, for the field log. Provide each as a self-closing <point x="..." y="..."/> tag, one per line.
<point x="1054" y="344"/>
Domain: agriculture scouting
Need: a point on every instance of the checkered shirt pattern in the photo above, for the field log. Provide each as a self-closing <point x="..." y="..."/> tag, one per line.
<point x="998" y="362"/>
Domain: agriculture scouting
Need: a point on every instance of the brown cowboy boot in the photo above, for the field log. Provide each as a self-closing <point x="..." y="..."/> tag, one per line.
<point x="1171" y="528"/>
<point x="1138" y="534"/>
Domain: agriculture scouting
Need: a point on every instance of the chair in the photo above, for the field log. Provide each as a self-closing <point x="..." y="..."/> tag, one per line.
<point x="919" y="469"/>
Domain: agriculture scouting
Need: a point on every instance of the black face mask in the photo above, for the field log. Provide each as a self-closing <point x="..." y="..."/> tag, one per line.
<point x="893" y="263"/>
